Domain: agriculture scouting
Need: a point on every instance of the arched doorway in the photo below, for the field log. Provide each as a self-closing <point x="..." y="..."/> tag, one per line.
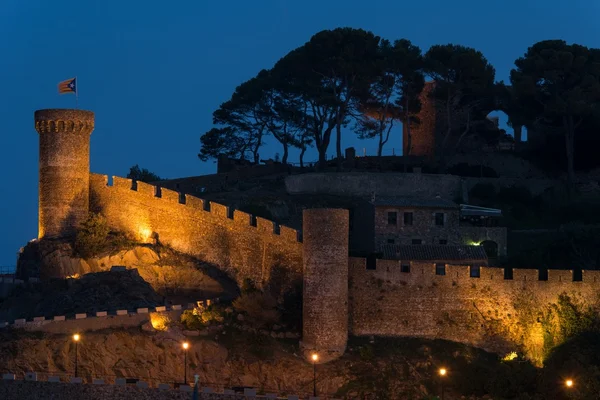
<point x="491" y="248"/>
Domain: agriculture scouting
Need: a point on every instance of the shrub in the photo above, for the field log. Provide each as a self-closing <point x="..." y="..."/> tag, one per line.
<point x="211" y="314"/>
<point x="160" y="321"/>
<point x="261" y="308"/>
<point x="91" y="237"/>
<point x="191" y="321"/>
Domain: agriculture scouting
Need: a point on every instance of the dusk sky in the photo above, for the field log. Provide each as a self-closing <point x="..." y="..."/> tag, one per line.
<point x="153" y="72"/>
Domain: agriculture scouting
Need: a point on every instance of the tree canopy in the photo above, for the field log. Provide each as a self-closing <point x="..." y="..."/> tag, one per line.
<point x="142" y="174"/>
<point x="557" y="87"/>
<point x="351" y="78"/>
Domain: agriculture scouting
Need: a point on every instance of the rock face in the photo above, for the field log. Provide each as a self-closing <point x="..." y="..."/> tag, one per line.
<point x="167" y="271"/>
<point x="98" y="291"/>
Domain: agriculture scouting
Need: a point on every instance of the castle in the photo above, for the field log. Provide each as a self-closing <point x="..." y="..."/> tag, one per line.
<point x="493" y="309"/>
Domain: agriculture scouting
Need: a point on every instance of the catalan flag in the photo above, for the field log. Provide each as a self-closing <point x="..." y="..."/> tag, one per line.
<point x="68" y="86"/>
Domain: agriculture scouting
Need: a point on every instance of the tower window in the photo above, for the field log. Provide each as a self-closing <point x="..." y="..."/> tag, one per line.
<point x="392" y="217"/>
<point x="391" y="241"/>
<point x="443" y="241"/>
<point x="405" y="267"/>
<point x="417" y="241"/>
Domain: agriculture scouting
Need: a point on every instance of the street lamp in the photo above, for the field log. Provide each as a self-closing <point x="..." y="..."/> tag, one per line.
<point x="185" y="346"/>
<point x="315" y="358"/>
<point x="76" y="338"/>
<point x="569" y="383"/>
<point x="442" y="373"/>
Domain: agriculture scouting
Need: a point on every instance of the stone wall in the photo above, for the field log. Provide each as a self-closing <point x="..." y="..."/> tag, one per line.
<point x="487" y="312"/>
<point x="363" y="184"/>
<point x="64" y="165"/>
<point x="243" y="246"/>
<point x="24" y="389"/>
<point x="422" y="141"/>
<point x="423" y="226"/>
<point x="325" y="292"/>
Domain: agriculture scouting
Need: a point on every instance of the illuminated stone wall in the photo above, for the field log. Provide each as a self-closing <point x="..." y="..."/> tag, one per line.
<point x="64" y="165"/>
<point x="242" y="246"/>
<point x="488" y="312"/>
<point x="325" y="298"/>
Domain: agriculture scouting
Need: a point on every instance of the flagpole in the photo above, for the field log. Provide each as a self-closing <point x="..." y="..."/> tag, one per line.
<point x="76" y="93"/>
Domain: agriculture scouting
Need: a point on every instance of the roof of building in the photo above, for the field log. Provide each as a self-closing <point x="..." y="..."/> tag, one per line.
<point x="468" y="210"/>
<point x="403" y="201"/>
<point x="433" y="252"/>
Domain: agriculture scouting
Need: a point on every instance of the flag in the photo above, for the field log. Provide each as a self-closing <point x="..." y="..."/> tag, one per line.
<point x="68" y="86"/>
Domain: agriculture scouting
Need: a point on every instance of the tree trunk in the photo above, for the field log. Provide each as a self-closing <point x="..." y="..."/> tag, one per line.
<point x="408" y="145"/>
<point x="285" y="153"/>
<point x="302" y="156"/>
<point x="570" y="147"/>
<point x="338" y="142"/>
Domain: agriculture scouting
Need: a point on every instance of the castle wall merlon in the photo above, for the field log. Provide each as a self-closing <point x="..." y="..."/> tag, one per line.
<point x="123" y="183"/>
<point x="219" y="210"/>
<point x="288" y="233"/>
<point x="242" y="218"/>
<point x="97" y="180"/>
<point x="170" y="195"/>
<point x="491" y="274"/>
<point x="591" y="276"/>
<point x="526" y="275"/>
<point x="560" y="275"/>
<point x="194" y="203"/>
<point x="458" y="271"/>
<point x="265" y="225"/>
<point x="145" y="189"/>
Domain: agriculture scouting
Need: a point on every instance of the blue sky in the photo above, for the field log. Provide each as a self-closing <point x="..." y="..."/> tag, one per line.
<point x="154" y="71"/>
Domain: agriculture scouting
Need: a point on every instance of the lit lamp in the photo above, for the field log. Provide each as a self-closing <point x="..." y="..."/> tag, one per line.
<point x="185" y="346"/>
<point x="569" y="383"/>
<point x="76" y="338"/>
<point x="442" y="373"/>
<point x="315" y="358"/>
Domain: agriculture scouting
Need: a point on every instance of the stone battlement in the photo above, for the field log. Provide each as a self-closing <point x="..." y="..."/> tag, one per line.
<point x="245" y="246"/>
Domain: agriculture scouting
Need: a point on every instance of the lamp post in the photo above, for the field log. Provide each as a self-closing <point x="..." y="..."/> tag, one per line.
<point x="315" y="358"/>
<point x="442" y="373"/>
<point x="185" y="346"/>
<point x="76" y="338"/>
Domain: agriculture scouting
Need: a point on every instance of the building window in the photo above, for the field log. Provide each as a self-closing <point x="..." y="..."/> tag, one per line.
<point x="408" y="218"/>
<point x="439" y="219"/>
<point x="392" y="218"/>
<point x="440" y="269"/>
<point x="475" y="271"/>
<point x="443" y="241"/>
<point x="417" y="241"/>
<point x="391" y="241"/>
<point x="405" y="267"/>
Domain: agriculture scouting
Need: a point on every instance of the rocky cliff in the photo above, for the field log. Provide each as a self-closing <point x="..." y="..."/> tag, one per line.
<point x="232" y="358"/>
<point x="168" y="272"/>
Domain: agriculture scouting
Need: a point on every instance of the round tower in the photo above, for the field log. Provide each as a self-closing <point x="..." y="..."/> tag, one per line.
<point x="64" y="181"/>
<point x="325" y="295"/>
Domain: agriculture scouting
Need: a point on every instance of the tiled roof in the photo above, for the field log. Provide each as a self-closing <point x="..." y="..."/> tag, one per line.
<point x="433" y="252"/>
<point x="403" y="201"/>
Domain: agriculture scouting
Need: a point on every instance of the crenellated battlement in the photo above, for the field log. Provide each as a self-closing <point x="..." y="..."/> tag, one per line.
<point x="244" y="245"/>
<point x="64" y="120"/>
<point x="220" y="212"/>
<point x="390" y="270"/>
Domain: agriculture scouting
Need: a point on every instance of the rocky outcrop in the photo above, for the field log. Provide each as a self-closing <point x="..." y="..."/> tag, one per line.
<point x="93" y="292"/>
<point x="167" y="271"/>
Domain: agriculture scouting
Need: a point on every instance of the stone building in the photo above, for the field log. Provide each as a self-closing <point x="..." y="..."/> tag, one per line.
<point x="435" y="222"/>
